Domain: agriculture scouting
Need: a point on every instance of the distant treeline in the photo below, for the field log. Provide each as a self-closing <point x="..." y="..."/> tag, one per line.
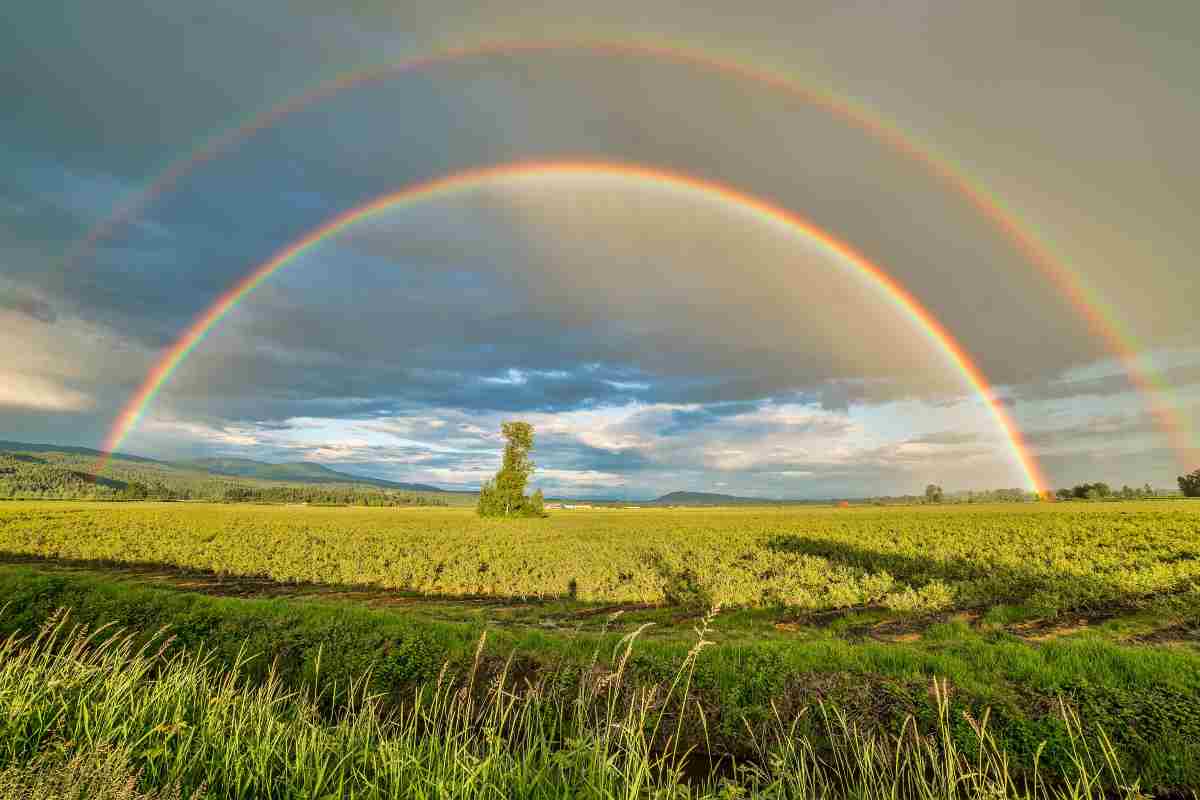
<point x="60" y="476"/>
<point x="1084" y="491"/>
<point x="1102" y="491"/>
<point x="951" y="498"/>
<point x="328" y="495"/>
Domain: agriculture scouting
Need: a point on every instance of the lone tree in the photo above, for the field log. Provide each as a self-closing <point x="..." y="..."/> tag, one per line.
<point x="1190" y="484"/>
<point x="504" y="495"/>
<point x="933" y="493"/>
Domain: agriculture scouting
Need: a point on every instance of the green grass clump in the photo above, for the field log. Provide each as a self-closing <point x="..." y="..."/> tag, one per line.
<point x="67" y="773"/>
<point x="1148" y="698"/>
<point x="83" y="708"/>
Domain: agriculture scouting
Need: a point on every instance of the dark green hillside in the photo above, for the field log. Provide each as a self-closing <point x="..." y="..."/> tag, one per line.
<point x="23" y="474"/>
<point x="42" y="471"/>
<point x="28" y="447"/>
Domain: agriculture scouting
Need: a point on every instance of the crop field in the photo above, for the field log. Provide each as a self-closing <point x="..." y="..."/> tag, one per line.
<point x="1047" y="558"/>
<point x="1038" y="617"/>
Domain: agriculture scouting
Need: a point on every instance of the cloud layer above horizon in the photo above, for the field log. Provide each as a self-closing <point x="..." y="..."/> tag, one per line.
<point x="659" y="339"/>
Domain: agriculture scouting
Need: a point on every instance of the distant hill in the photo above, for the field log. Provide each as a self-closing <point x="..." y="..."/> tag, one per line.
<point x="27" y="447"/>
<point x="61" y="469"/>
<point x="293" y="472"/>
<point x="710" y="499"/>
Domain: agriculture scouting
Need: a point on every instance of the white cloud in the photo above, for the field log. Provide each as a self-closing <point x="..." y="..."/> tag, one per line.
<point x="225" y="434"/>
<point x="580" y="477"/>
<point x="514" y="377"/>
<point x="39" y="394"/>
<point x="629" y="386"/>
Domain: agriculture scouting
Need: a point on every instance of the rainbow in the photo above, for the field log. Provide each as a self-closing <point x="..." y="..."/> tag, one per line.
<point x="1101" y="316"/>
<point x="900" y="297"/>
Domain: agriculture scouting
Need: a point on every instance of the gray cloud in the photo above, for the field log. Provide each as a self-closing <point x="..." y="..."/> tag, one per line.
<point x="1113" y="429"/>
<point x="947" y="438"/>
<point x="27" y="304"/>
<point x="1178" y="376"/>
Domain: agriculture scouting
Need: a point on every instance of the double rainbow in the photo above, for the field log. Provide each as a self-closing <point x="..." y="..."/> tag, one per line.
<point x="461" y="181"/>
<point x="1100" y="315"/>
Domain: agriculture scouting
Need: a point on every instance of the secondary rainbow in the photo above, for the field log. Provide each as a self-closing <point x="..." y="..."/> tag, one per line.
<point x="1102" y="317"/>
<point x="901" y="297"/>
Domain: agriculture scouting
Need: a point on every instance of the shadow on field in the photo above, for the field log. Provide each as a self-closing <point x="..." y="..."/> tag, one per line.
<point x="263" y="587"/>
<point x="981" y="583"/>
<point x="254" y="585"/>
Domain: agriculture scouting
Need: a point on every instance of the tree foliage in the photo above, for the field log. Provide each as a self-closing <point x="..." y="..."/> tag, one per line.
<point x="933" y="493"/>
<point x="504" y="495"/>
<point x="23" y="475"/>
<point x="1190" y="484"/>
<point x="1091" y="491"/>
<point x="1102" y="491"/>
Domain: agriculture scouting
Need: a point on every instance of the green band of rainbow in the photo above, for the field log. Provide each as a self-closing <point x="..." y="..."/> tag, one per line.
<point x="1102" y="316"/>
<point x="195" y="334"/>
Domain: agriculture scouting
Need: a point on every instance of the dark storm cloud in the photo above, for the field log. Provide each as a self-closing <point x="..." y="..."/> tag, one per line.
<point x="1178" y="377"/>
<point x="841" y="394"/>
<point x="1109" y="428"/>
<point x="126" y="85"/>
<point x="571" y="454"/>
<point x="684" y="420"/>
<point x="228" y="217"/>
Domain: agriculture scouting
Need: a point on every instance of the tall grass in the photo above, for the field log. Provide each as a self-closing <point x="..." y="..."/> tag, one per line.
<point x="79" y="707"/>
<point x="81" y="775"/>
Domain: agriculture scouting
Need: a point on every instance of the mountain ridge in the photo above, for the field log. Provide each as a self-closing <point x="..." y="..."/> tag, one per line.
<point x="35" y="447"/>
<point x="684" y="498"/>
<point x="294" y="472"/>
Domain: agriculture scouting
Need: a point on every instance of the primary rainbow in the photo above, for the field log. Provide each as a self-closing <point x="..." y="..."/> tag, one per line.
<point x="905" y="301"/>
<point x="1101" y="316"/>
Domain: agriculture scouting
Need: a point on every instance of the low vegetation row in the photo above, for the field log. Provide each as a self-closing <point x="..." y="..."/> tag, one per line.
<point x="1052" y="557"/>
<point x="308" y="699"/>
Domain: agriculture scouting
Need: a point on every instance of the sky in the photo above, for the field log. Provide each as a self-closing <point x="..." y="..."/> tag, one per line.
<point x="658" y="337"/>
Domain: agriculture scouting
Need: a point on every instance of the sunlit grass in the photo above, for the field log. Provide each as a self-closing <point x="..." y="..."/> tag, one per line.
<point x="1048" y="558"/>
<point x="73" y="704"/>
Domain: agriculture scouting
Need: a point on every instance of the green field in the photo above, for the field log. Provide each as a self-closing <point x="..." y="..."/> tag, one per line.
<point x="1025" y="610"/>
<point x="1047" y="558"/>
